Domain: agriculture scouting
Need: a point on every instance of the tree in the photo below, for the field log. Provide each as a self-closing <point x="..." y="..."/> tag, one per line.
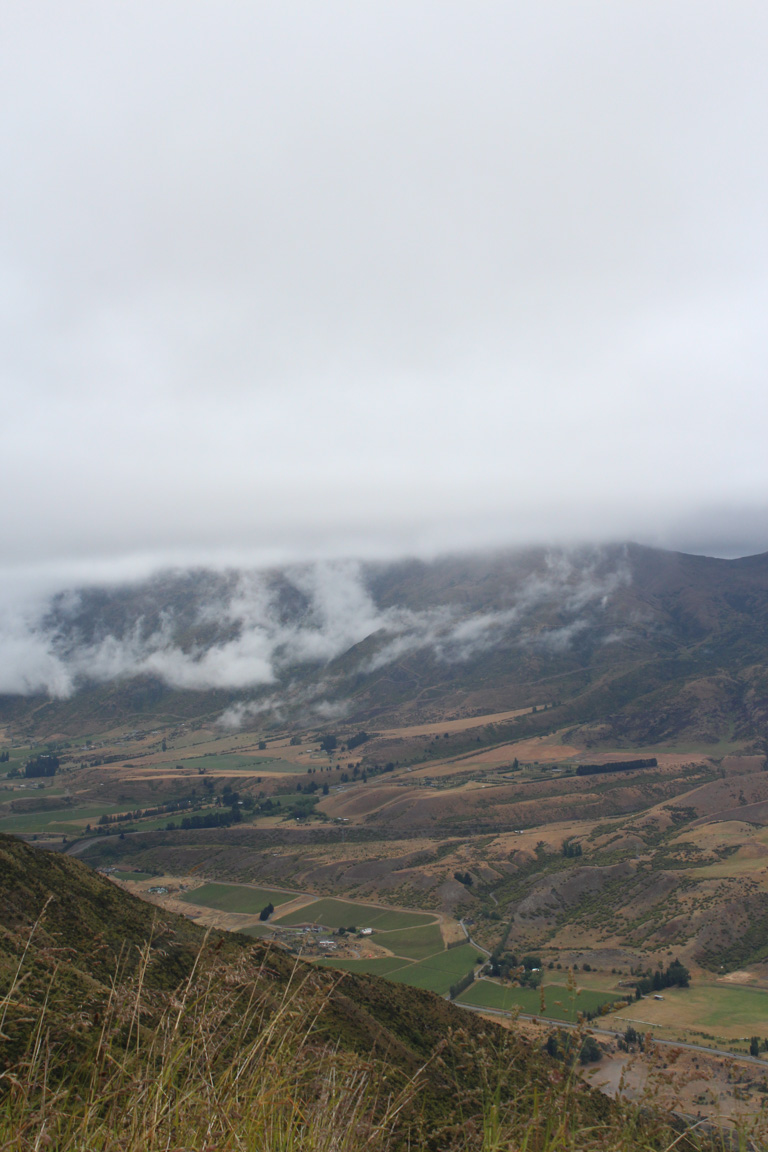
<point x="41" y="766"/>
<point x="267" y="911"/>
<point x="262" y="745"/>
<point x="328" y="743"/>
<point x="590" y="1051"/>
<point x="754" y="1046"/>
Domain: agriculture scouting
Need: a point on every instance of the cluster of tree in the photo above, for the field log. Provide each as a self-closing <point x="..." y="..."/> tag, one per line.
<point x="222" y="818"/>
<point x="347" y="931"/>
<point x="503" y="965"/>
<point x="463" y="878"/>
<point x="234" y="800"/>
<point x="5" y="756"/>
<point x="675" y="976"/>
<point x="571" y="848"/>
<point x="300" y="809"/>
<point x="460" y="985"/>
<point x="266" y="911"/>
<point x="616" y="766"/>
<point x="356" y="740"/>
<point x="328" y="743"/>
<point x="138" y="813"/>
<point x="507" y="966"/>
<point x="44" y="765"/>
<point x="561" y="1045"/>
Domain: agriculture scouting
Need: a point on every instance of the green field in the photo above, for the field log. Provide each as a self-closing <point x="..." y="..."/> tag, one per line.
<point x="236" y="763"/>
<point x="343" y="914"/>
<point x="380" y="966"/>
<point x="438" y="972"/>
<point x="257" y="930"/>
<point x="560" y="1005"/>
<point x="415" y="943"/>
<point x="236" y="897"/>
<point x="57" y="819"/>
<point x="133" y="875"/>
<point x="724" y="1009"/>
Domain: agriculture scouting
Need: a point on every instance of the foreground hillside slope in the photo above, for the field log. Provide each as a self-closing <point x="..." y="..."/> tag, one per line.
<point x="629" y="644"/>
<point x="78" y="954"/>
<point x="128" y="1028"/>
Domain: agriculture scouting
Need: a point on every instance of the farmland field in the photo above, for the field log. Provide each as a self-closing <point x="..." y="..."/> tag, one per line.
<point x="236" y="897"/>
<point x="438" y="972"/>
<point x="378" y="966"/>
<point x="343" y="914"/>
<point x="729" y="1011"/>
<point x="560" y="1005"/>
<point x="415" y="943"/>
<point x="259" y="931"/>
<point x="67" y="819"/>
<point x="235" y="763"/>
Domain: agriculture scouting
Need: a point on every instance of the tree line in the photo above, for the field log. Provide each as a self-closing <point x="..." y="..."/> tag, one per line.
<point x="616" y="766"/>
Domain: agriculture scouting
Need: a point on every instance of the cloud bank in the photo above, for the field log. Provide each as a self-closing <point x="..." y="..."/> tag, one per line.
<point x="242" y="631"/>
<point x="374" y="279"/>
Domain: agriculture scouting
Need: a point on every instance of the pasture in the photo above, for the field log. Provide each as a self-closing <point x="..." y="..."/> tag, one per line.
<point x="236" y="898"/>
<point x="729" y="1010"/>
<point x="415" y="943"/>
<point x="559" y="1003"/>
<point x="378" y="966"/>
<point x="69" y="819"/>
<point x="438" y="972"/>
<point x="332" y="913"/>
<point x="461" y="725"/>
<point x="230" y="762"/>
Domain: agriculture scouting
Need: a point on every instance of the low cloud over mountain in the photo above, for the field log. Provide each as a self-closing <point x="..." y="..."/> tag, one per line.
<point x="239" y="630"/>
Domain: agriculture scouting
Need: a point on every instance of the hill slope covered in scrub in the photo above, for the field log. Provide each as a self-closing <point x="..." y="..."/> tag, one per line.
<point x="127" y="1028"/>
<point x="630" y="645"/>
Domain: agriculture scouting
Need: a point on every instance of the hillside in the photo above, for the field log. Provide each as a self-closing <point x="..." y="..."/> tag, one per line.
<point x="109" y="1001"/>
<point x="630" y="645"/>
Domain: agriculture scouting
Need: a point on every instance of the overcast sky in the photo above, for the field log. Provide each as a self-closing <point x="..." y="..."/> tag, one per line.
<point x="286" y="279"/>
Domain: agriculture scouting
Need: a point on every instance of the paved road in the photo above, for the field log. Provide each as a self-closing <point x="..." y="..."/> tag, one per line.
<point x="607" y="1032"/>
<point x="474" y="943"/>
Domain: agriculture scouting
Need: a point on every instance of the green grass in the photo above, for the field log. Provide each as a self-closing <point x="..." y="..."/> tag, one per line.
<point x="343" y="914"/>
<point x="379" y="966"/>
<point x="259" y="931"/>
<point x="236" y="763"/>
<point x="133" y="875"/>
<point x="236" y="897"/>
<point x="415" y="943"/>
<point x="438" y="972"/>
<point x="57" y="819"/>
<point x="721" y="1008"/>
<point x="558" y="1001"/>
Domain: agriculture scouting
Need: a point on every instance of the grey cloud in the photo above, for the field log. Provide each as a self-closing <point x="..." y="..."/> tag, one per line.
<point x="247" y="630"/>
<point x="380" y="279"/>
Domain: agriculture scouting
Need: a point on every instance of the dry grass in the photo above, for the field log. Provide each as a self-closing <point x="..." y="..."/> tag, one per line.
<point x="222" y="1065"/>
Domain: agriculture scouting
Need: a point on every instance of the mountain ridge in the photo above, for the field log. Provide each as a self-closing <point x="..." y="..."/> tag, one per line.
<point x="602" y="629"/>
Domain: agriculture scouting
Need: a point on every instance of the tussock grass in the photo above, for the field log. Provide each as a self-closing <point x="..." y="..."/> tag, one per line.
<point x="208" y="1068"/>
<point x="237" y="1060"/>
